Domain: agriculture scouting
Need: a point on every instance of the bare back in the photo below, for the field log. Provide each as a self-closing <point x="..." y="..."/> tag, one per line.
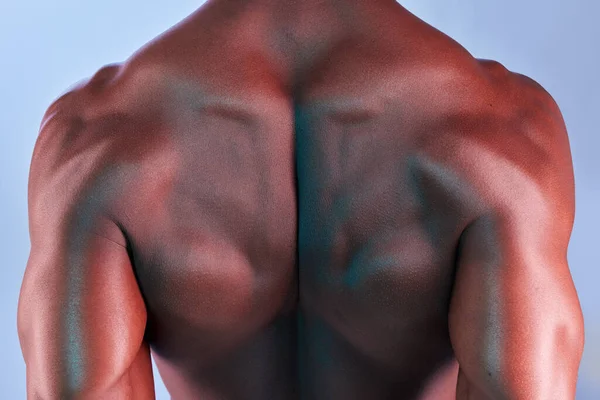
<point x="294" y="224"/>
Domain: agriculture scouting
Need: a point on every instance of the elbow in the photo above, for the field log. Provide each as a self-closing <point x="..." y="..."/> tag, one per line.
<point x="574" y="333"/>
<point x="550" y="371"/>
<point x="53" y="384"/>
<point x="543" y="366"/>
<point x="567" y="348"/>
<point x="50" y="391"/>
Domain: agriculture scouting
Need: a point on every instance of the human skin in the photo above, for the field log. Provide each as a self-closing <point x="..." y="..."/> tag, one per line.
<point x="301" y="200"/>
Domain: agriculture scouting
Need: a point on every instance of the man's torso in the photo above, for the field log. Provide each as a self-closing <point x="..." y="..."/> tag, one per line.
<point x="294" y="231"/>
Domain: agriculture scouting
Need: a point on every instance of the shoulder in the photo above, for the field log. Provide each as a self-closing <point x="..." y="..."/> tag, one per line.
<point x="536" y="119"/>
<point x="532" y="154"/>
<point x="61" y="126"/>
<point x="508" y="147"/>
<point x="524" y="98"/>
<point x="69" y="149"/>
<point x="515" y="117"/>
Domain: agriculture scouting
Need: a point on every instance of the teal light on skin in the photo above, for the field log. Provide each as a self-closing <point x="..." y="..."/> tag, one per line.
<point x="358" y="270"/>
<point x="73" y="320"/>
<point x="82" y="223"/>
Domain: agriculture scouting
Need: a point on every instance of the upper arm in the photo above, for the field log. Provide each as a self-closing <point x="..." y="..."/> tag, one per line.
<point x="81" y="317"/>
<point x="515" y="320"/>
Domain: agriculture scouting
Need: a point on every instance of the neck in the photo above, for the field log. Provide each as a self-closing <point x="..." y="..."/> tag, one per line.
<point x="300" y="14"/>
<point x="304" y="29"/>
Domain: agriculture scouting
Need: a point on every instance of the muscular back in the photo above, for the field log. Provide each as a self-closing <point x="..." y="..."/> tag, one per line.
<point x="275" y="219"/>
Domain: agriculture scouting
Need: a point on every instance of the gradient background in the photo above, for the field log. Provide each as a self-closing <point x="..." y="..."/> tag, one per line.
<point x="47" y="46"/>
